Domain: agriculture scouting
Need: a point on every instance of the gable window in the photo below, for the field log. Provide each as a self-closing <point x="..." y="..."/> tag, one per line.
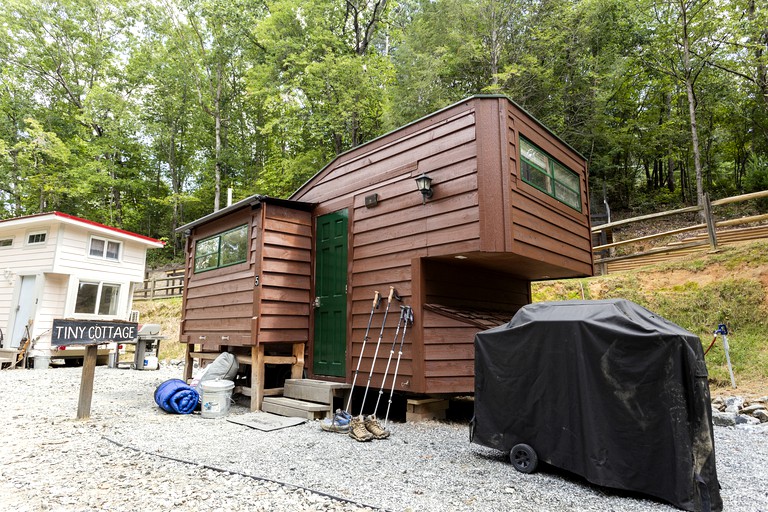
<point x="548" y="175"/>
<point x="6" y="242"/>
<point x="222" y="250"/>
<point x="105" y="249"/>
<point x="36" y="238"/>
<point x="97" y="298"/>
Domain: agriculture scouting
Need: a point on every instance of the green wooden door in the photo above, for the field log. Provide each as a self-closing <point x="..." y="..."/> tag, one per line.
<point x="331" y="295"/>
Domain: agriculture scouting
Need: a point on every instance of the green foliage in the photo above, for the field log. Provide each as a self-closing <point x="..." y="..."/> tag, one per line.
<point x="148" y="112"/>
<point x="699" y="306"/>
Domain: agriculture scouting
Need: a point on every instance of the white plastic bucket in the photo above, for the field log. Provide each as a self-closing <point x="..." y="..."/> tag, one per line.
<point x="215" y="398"/>
<point x="150" y="363"/>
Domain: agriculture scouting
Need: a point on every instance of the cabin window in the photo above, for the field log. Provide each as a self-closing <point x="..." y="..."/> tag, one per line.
<point x="36" y="238"/>
<point x="548" y="175"/>
<point x="222" y="250"/>
<point x="104" y="249"/>
<point x="6" y="243"/>
<point x="97" y="298"/>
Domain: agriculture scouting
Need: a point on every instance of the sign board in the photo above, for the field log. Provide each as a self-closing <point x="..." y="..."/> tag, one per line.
<point x="89" y="332"/>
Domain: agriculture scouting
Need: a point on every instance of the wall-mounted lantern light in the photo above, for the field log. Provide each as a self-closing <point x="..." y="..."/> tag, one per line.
<point x="424" y="184"/>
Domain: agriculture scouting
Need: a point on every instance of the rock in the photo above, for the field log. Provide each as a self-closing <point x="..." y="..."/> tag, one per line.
<point x="733" y="404"/>
<point x="724" y="419"/>
<point x="762" y="415"/>
<point x="752" y="408"/>
<point x="731" y="419"/>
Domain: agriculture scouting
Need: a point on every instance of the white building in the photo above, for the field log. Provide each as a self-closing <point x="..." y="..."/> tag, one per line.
<point x="55" y="265"/>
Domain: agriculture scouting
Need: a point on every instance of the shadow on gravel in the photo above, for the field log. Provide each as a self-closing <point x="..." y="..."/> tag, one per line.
<point x="545" y="469"/>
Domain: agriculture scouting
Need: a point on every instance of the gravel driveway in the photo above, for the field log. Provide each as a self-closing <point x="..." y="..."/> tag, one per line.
<point x="131" y="456"/>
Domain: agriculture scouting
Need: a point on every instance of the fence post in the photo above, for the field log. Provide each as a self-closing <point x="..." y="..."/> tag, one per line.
<point x="711" y="229"/>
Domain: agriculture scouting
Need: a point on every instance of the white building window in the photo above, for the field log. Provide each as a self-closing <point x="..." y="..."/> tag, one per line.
<point x="36" y="238"/>
<point x="104" y="249"/>
<point x="6" y="243"/>
<point x="97" y="298"/>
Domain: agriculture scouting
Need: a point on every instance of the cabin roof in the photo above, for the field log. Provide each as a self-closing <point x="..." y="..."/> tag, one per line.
<point x="432" y="114"/>
<point x="253" y="202"/>
<point x="39" y="218"/>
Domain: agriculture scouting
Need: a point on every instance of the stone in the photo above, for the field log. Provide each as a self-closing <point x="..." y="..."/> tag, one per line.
<point x="750" y="409"/>
<point x="724" y="419"/>
<point x="733" y="404"/>
<point x="762" y="415"/>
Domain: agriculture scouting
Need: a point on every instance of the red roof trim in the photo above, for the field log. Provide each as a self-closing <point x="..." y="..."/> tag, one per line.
<point x="110" y="228"/>
<point x="90" y="223"/>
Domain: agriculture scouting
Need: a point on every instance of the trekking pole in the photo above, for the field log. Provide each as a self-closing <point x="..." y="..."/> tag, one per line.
<point x="392" y="294"/>
<point x="389" y="360"/>
<point x="374" y="307"/>
<point x="408" y="314"/>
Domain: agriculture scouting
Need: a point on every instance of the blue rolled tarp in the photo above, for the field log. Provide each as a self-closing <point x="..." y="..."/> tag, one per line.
<point x="176" y="396"/>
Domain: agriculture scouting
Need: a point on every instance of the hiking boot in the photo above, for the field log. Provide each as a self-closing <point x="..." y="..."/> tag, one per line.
<point x="338" y="424"/>
<point x="357" y="430"/>
<point x="372" y="425"/>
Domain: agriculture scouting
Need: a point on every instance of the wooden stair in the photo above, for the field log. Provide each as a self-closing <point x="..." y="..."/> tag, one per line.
<point x="307" y="398"/>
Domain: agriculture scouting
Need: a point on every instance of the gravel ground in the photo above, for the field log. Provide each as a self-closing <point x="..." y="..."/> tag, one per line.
<point x="131" y="456"/>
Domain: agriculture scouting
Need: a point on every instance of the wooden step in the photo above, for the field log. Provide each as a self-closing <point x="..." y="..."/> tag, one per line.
<point x="294" y="408"/>
<point x="313" y="390"/>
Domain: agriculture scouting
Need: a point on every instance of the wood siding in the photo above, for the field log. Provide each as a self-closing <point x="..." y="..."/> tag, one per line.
<point x="285" y="283"/>
<point x="509" y="232"/>
<point x="218" y="304"/>
<point x="449" y="364"/>
<point x="386" y="238"/>
<point x="543" y="228"/>
<point x="262" y="300"/>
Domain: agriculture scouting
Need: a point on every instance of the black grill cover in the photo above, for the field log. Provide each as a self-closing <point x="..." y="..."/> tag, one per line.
<point x="605" y="389"/>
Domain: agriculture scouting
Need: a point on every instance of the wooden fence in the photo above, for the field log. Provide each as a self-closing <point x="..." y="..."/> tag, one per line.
<point x="713" y="234"/>
<point x="171" y="284"/>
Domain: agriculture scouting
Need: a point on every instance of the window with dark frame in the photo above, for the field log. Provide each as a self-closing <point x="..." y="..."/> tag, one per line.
<point x="222" y="250"/>
<point x="97" y="298"/>
<point x="36" y="238"/>
<point x="104" y="248"/>
<point x="540" y="170"/>
<point x="6" y="242"/>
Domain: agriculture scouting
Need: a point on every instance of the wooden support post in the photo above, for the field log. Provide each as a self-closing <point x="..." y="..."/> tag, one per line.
<point x="297" y="369"/>
<point x="257" y="376"/>
<point x="86" y="383"/>
<point x="187" y="361"/>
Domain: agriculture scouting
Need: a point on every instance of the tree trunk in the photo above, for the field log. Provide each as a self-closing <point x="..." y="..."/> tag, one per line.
<point x="688" y="73"/>
<point x="217" y="119"/>
<point x="670" y="158"/>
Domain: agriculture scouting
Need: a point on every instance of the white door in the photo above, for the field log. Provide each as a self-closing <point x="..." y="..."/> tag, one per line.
<point x="24" y="310"/>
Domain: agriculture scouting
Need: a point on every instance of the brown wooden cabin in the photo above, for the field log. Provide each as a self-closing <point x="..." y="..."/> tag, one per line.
<point x="248" y="285"/>
<point x="463" y="258"/>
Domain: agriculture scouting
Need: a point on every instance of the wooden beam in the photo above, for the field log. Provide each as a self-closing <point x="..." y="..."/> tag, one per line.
<point x="601" y="227"/>
<point x="648" y="237"/>
<point x="743" y="197"/>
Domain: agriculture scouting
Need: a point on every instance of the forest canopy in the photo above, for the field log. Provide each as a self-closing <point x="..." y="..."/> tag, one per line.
<point x="141" y="114"/>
